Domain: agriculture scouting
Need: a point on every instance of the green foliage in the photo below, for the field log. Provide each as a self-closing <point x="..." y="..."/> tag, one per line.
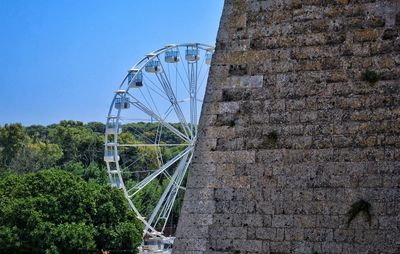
<point x="97" y="127"/>
<point x="90" y="173"/>
<point x="78" y="148"/>
<point x="147" y="199"/>
<point x="148" y="132"/>
<point x="57" y="212"/>
<point x="371" y="76"/>
<point x="78" y="142"/>
<point x="72" y="237"/>
<point x="360" y="206"/>
<point x="12" y="140"/>
<point x="37" y="132"/>
<point x="35" y="156"/>
<point x="27" y="149"/>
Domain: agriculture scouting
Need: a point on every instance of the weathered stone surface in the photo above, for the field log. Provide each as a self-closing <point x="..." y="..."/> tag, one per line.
<point x="292" y="133"/>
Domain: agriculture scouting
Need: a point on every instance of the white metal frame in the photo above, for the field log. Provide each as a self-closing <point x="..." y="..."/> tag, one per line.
<point x="175" y="168"/>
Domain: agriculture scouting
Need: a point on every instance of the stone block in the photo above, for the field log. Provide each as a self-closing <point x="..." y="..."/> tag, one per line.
<point x="266" y="233"/>
<point x="283" y="247"/>
<point x="294" y="234"/>
<point x="247" y="245"/>
<point x="282" y="221"/>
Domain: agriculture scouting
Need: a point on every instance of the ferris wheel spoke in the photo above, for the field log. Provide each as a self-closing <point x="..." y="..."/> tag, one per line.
<point x="127" y="120"/>
<point x="123" y="167"/>
<point x="165" y="213"/>
<point x="151" y="84"/>
<point x="168" y="197"/>
<point x="149" y="112"/>
<point x="152" y="100"/>
<point x="175" y="105"/>
<point x="137" y="171"/>
<point x="176" y="79"/>
<point x="167" y="112"/>
<point x="157" y="140"/>
<point x="152" y="145"/>
<point x="192" y="67"/>
<point x="166" y="84"/>
<point x="169" y="74"/>
<point x="184" y="67"/>
<point x="167" y="175"/>
<point x="181" y="79"/>
<point x="140" y="134"/>
<point x="150" y="177"/>
<point x="148" y="104"/>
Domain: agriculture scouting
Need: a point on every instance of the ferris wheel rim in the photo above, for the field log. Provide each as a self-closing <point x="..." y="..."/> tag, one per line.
<point x="139" y="66"/>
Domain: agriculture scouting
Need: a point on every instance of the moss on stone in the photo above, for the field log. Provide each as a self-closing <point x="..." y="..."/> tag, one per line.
<point x="360" y="206"/>
<point x="371" y="76"/>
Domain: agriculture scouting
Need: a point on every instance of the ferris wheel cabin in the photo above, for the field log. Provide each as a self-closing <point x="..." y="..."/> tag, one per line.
<point x="192" y="54"/>
<point x="110" y="156"/>
<point x="121" y="102"/>
<point x="172" y="56"/>
<point x="209" y="54"/>
<point x="153" y="66"/>
<point x="135" y="78"/>
<point x="112" y="126"/>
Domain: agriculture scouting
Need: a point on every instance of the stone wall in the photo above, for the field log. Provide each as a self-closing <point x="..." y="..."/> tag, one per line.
<point x="301" y="121"/>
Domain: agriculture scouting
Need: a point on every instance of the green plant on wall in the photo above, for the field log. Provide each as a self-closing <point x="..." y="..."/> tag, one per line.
<point x="272" y="136"/>
<point x="360" y="206"/>
<point x="371" y="76"/>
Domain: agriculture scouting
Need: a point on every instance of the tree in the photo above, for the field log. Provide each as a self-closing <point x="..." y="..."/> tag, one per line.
<point x="35" y="156"/>
<point x="12" y="140"/>
<point x="54" y="211"/>
<point x="37" y="132"/>
<point x="93" y="172"/>
<point x="97" y="127"/>
<point x="78" y="142"/>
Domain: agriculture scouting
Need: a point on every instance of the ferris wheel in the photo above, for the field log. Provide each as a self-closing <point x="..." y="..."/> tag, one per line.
<point x="151" y="129"/>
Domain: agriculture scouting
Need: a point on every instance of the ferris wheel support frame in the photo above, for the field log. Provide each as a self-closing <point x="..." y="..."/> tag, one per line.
<point x="188" y="135"/>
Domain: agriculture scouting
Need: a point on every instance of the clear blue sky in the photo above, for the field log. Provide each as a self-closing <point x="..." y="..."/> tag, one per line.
<point x="62" y="59"/>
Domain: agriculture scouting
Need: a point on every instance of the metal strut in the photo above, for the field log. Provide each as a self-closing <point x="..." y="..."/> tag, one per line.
<point x="148" y="111"/>
<point x="150" y="177"/>
<point x="168" y="197"/>
<point x="192" y="68"/>
<point x="166" y="85"/>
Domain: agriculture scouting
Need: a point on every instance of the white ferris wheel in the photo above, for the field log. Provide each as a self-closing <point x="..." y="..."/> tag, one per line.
<point x="151" y="128"/>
